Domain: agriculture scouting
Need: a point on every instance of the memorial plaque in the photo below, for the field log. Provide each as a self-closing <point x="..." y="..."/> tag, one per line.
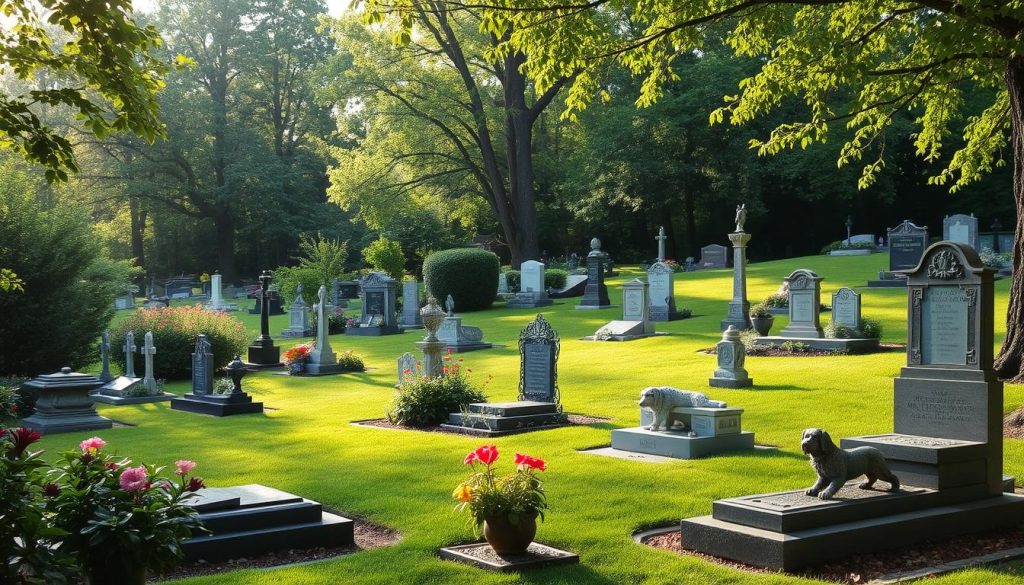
<point x="374" y="303"/>
<point x="944" y="326"/>
<point x="802" y="308"/>
<point x="714" y="256"/>
<point x="538" y="351"/>
<point x="846" y="308"/>
<point x="906" y="244"/>
<point x="804" y="305"/>
<point x="633" y="305"/>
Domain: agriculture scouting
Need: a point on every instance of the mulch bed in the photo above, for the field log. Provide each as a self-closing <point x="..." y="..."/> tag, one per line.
<point x="860" y="569"/>
<point x="367" y="536"/>
<point x="1013" y="425"/>
<point x="766" y="351"/>
<point x="574" y="419"/>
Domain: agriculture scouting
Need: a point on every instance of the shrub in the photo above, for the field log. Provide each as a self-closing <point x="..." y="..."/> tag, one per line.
<point x="288" y="278"/>
<point x="555" y="278"/>
<point x="350" y="362"/>
<point x="842" y="245"/>
<point x="386" y="255"/>
<point x="760" y="311"/>
<point x="174" y="335"/>
<point x="470" y="275"/>
<point x="777" y="300"/>
<point x="992" y="260"/>
<point x="9" y="398"/>
<point x="869" y="329"/>
<point x="336" y="321"/>
<point x="751" y="341"/>
<point x="68" y="286"/>
<point x="422" y="402"/>
<point x="324" y="256"/>
<point x="514" y="278"/>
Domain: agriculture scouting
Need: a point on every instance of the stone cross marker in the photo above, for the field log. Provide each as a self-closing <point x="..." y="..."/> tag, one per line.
<point x="149" y="350"/>
<point x="661" y="237"/>
<point x="906" y="244"/>
<point x="202" y="367"/>
<point x="322" y="354"/>
<point x="538" y="371"/>
<point x="961" y="228"/>
<point x="105" y="375"/>
<point x="804" y="305"/>
<point x="129" y="354"/>
<point x="846" y="307"/>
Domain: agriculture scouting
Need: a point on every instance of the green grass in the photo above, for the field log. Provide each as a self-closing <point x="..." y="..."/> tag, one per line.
<point x="403" y="479"/>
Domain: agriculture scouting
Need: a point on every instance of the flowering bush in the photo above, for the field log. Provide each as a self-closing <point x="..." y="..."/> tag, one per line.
<point x="10" y="407"/>
<point x="350" y="362"/>
<point x="298" y="354"/>
<point x="675" y="266"/>
<point x="114" y="514"/>
<point x="421" y="401"/>
<point x="778" y="300"/>
<point x="336" y="321"/>
<point x="485" y="494"/>
<point x="174" y="334"/>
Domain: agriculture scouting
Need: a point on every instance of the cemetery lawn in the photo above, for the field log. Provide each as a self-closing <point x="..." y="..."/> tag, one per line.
<point x="305" y="442"/>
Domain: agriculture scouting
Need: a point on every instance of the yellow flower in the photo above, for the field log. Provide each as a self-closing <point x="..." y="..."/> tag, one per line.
<point x="463" y="493"/>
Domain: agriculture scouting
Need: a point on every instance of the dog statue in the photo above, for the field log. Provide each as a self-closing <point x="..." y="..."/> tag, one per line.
<point x="661" y="400"/>
<point x="837" y="466"/>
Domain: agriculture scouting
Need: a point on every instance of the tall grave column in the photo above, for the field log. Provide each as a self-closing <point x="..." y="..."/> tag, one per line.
<point x="661" y="237"/>
<point x="739" y="306"/>
<point x="263" y="352"/>
<point x="105" y="375"/>
<point x="595" y="296"/>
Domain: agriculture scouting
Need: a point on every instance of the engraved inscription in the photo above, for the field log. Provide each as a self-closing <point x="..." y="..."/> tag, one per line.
<point x="944" y="326"/>
<point x="918" y="441"/>
<point x="633" y="306"/>
<point x="537" y="375"/>
<point x="648" y="443"/>
<point x="375" y="303"/>
<point x="801" y="309"/>
<point x="939" y="406"/>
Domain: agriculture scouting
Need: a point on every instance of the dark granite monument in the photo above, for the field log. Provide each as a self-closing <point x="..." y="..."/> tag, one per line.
<point x="64" y="404"/>
<point x="263" y="353"/>
<point x="539" y="406"/>
<point x="202" y="400"/>
<point x="714" y="256"/>
<point x="595" y="296"/>
<point x="906" y="244"/>
<point x="380" y="302"/>
<point x="946" y="447"/>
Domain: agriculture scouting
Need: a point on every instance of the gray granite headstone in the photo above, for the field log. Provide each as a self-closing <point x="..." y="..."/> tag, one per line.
<point x="538" y="353"/>
<point x="962" y="229"/>
<point x="105" y="375"/>
<point x="502" y="283"/>
<point x="407" y="366"/>
<point x="661" y="284"/>
<point x="411" y="305"/>
<point x="804" y="305"/>
<point x="906" y="244"/>
<point x="846" y="307"/>
<point x="531" y="277"/>
<point x="714" y="256"/>
<point x="378" y="315"/>
<point x="298" y="317"/>
<point x="129" y="354"/>
<point x="202" y="367"/>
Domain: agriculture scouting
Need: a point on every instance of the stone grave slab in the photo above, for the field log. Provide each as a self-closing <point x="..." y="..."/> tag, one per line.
<point x="481" y="555"/>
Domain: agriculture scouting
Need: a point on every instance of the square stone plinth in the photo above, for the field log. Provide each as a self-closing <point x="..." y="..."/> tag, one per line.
<point x="678" y="445"/>
<point x="483" y="556"/>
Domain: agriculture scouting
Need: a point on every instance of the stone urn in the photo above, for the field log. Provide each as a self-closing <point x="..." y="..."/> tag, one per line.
<point x="762" y="324"/>
<point x="432" y="315"/>
<point x="507" y="537"/>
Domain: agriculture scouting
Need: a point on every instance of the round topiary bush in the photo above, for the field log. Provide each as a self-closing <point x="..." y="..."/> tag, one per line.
<point x="470" y="275"/>
<point x="555" y="278"/>
<point x="174" y="336"/>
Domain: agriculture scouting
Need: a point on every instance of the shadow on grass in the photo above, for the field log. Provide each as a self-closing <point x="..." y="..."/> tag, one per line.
<point x="773" y="387"/>
<point x="562" y="574"/>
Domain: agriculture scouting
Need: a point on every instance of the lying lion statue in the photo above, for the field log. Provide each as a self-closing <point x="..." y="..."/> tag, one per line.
<point x="837" y="466"/>
<point x="661" y="400"/>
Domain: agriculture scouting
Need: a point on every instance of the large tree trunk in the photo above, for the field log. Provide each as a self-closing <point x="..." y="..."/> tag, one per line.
<point x="1009" y="361"/>
<point x="138" y="229"/>
<point x="225" y="226"/>
<point x="519" y="149"/>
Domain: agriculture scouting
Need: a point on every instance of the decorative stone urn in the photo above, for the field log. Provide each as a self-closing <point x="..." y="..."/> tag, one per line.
<point x="432" y="315"/>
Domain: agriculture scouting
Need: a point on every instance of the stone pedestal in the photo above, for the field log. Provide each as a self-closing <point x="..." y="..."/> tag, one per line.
<point x="595" y="295"/>
<point x="433" y="363"/>
<point x="731" y="357"/>
<point x="739" y="306"/>
<point x="263" y="353"/>
<point x="64" y="404"/>
<point x="701" y="432"/>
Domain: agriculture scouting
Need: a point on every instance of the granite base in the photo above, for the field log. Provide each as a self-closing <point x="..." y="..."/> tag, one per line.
<point x="228" y="405"/>
<point x="123" y="400"/>
<point x="483" y="556"/>
<point x="727" y="383"/>
<point x="888" y="283"/>
<point x="678" y="445"/>
<point x="824" y="343"/>
<point x="372" y="331"/>
<point x="521" y="304"/>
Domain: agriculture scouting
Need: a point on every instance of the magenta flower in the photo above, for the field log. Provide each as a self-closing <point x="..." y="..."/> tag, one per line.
<point x="92" y="446"/>
<point x="184" y="467"/>
<point x="134" y="479"/>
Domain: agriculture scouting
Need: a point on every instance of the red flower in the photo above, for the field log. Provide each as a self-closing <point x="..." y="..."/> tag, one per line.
<point x="530" y="462"/>
<point x="3" y="432"/>
<point x="470" y="458"/>
<point x="22" y="438"/>
<point x="487" y="454"/>
<point x="195" y="484"/>
<point x="52" y="490"/>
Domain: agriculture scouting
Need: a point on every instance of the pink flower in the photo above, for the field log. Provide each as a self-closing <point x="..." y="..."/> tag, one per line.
<point x="184" y="467"/>
<point x="92" y="446"/>
<point x="22" y="438"/>
<point x="134" y="479"/>
<point x="195" y="484"/>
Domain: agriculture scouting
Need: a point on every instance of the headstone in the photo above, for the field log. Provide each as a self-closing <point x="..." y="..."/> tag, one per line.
<point x="407" y="366"/>
<point x="595" y="296"/>
<point x="129" y="354"/>
<point x="532" y="293"/>
<point x="690" y="265"/>
<point x="863" y="239"/>
<point x="235" y="402"/>
<point x="411" y="305"/>
<point x="739" y="306"/>
<point x="378" y="313"/>
<point x="538" y="358"/>
<point x="661" y="237"/>
<point x="962" y="229"/>
<point x="906" y="244"/>
<point x="502" y="283"/>
<point x="804" y="306"/>
<point x="105" y="375"/>
<point x="216" y="293"/>
<point x="731" y="356"/>
<point x="64" y="404"/>
<point x="635" y="323"/>
<point x="148" y="351"/>
<point x="714" y="256"/>
<point x="661" y="292"/>
<point x="202" y="367"/>
<point x="946" y="447"/>
<point x="125" y="301"/>
<point x="846" y="308"/>
<point x="322" y="359"/>
<point x="298" y="317"/>
<point x="263" y="353"/>
<point x="456" y="336"/>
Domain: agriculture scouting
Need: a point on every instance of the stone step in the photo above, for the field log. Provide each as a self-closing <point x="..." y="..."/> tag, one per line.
<point x="519" y="408"/>
<point x="931" y="450"/>
<point x="503" y="423"/>
<point x="793" y="510"/>
<point x="790" y="551"/>
<point x="260" y="517"/>
<point x="328" y="531"/>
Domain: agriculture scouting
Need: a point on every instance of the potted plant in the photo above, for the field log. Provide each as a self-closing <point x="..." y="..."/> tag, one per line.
<point x="506" y="507"/>
<point x="761" y="318"/>
<point x="120" y="521"/>
<point x="296" y="357"/>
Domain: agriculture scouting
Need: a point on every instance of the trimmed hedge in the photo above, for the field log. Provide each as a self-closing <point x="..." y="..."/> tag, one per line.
<point x="174" y="336"/>
<point x="553" y="278"/>
<point x="470" y="275"/>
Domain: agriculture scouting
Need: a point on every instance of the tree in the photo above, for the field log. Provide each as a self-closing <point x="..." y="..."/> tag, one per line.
<point x="324" y="256"/>
<point x="892" y="56"/>
<point x="467" y="113"/>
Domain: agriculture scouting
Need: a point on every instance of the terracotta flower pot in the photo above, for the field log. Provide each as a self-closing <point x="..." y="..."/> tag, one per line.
<point x="508" y="538"/>
<point x="762" y="324"/>
<point x="123" y="573"/>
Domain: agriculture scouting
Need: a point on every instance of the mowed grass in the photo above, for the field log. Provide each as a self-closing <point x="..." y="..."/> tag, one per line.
<point x="305" y="443"/>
